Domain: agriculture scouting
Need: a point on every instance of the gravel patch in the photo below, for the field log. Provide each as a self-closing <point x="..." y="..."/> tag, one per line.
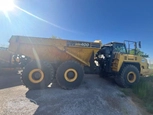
<point x="95" y="96"/>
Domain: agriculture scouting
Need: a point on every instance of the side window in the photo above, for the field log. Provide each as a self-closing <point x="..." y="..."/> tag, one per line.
<point x="123" y="49"/>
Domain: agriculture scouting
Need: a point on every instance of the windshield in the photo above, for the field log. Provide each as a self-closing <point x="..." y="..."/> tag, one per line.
<point x="118" y="47"/>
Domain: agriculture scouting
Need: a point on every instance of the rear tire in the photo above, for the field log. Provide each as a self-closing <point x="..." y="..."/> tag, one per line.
<point x="69" y="75"/>
<point x="128" y="76"/>
<point x="35" y="77"/>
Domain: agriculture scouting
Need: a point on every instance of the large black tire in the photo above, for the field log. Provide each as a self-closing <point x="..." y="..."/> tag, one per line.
<point x="69" y="75"/>
<point x="46" y="71"/>
<point x="128" y="76"/>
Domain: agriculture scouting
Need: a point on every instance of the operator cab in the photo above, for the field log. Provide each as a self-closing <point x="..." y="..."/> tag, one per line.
<point x="107" y="53"/>
<point x="109" y="49"/>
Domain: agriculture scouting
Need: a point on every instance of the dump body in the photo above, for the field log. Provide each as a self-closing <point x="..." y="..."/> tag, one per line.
<point x="54" y="50"/>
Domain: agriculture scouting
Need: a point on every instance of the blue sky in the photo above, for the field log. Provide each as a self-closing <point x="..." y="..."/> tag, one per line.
<point x="88" y="20"/>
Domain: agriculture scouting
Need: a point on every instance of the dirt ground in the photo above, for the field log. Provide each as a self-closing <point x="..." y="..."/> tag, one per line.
<point x="95" y="96"/>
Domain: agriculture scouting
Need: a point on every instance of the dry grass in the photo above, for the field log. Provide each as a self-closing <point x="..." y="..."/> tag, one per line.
<point x="144" y="90"/>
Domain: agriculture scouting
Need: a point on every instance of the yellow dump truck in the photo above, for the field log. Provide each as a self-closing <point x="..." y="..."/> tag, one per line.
<point x="43" y="59"/>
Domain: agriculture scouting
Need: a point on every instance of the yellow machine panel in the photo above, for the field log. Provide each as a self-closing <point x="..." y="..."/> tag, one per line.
<point x="127" y="58"/>
<point x="53" y="49"/>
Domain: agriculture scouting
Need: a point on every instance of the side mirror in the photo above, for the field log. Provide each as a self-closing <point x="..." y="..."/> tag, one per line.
<point x="139" y="44"/>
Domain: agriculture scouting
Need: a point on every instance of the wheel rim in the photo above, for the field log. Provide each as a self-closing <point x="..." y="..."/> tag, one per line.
<point x="36" y="75"/>
<point x="131" y="77"/>
<point x="70" y="75"/>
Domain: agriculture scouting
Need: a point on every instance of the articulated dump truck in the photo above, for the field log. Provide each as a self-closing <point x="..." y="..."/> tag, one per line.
<point x="44" y="59"/>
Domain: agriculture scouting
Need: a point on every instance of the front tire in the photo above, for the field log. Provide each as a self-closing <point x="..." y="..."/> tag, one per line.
<point x="128" y="76"/>
<point x="69" y="75"/>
